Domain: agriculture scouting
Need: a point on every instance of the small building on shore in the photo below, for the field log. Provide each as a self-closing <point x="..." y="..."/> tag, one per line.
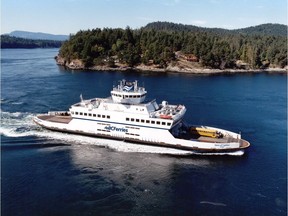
<point x="242" y="65"/>
<point x="186" y="56"/>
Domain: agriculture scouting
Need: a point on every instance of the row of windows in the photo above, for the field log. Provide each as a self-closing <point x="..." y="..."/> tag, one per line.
<point x="128" y="96"/>
<point x="127" y="119"/>
<point x="149" y="121"/>
<point x="91" y="114"/>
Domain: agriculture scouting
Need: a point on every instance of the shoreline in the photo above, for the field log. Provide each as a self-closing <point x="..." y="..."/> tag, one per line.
<point x="77" y="65"/>
<point x="210" y="71"/>
<point x="204" y="71"/>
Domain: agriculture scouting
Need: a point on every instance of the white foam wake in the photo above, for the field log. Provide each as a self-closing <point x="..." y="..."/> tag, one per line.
<point x="21" y="125"/>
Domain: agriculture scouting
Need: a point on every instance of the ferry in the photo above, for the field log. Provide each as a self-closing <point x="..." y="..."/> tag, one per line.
<point x="126" y="115"/>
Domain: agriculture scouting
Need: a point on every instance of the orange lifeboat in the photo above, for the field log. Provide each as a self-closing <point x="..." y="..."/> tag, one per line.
<point x="165" y="116"/>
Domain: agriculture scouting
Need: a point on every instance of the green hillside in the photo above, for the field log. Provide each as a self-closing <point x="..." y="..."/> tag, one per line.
<point x="264" y="29"/>
<point x="158" y="44"/>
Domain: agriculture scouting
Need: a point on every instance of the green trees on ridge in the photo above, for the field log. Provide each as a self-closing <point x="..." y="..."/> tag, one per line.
<point x="213" y="49"/>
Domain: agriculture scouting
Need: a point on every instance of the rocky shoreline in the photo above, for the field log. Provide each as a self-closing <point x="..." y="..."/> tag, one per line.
<point x="176" y="68"/>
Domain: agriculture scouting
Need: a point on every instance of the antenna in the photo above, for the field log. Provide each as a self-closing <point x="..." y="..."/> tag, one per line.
<point x="81" y="98"/>
<point x="136" y="86"/>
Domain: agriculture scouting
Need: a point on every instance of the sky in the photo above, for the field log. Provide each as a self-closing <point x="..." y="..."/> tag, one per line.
<point x="70" y="16"/>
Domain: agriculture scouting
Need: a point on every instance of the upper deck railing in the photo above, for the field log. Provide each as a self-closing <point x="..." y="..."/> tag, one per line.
<point x="129" y="87"/>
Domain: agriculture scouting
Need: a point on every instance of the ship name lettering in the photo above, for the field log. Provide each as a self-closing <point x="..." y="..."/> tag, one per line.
<point x="222" y="145"/>
<point x="113" y="128"/>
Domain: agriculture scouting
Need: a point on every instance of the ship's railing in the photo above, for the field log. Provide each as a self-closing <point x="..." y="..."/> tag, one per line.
<point x="127" y="86"/>
<point x="172" y="111"/>
<point x="59" y="113"/>
<point x="121" y="89"/>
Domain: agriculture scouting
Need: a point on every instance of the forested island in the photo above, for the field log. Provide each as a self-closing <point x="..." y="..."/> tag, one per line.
<point x="165" y="46"/>
<point x="8" y="42"/>
<point x="175" y="47"/>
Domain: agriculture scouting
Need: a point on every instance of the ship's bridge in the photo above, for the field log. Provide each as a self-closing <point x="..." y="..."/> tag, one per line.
<point x="128" y="93"/>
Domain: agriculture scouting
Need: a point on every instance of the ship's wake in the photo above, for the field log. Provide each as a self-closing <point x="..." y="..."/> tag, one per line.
<point x="20" y="124"/>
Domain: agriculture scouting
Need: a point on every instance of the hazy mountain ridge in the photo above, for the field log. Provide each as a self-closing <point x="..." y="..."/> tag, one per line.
<point x="38" y="35"/>
<point x="8" y="42"/>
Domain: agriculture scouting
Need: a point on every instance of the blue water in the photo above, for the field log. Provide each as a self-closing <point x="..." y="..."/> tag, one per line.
<point x="50" y="173"/>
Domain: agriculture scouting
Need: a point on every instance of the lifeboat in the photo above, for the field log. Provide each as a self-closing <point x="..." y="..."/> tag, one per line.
<point x="163" y="116"/>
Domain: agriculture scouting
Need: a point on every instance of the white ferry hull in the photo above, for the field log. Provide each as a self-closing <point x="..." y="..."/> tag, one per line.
<point x="146" y="135"/>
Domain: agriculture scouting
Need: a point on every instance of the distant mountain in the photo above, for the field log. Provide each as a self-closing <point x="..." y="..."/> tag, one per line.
<point x="38" y="36"/>
<point x="17" y="42"/>
<point x="264" y="29"/>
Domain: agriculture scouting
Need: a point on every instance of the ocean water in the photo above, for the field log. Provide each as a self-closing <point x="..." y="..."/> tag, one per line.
<point x="51" y="173"/>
